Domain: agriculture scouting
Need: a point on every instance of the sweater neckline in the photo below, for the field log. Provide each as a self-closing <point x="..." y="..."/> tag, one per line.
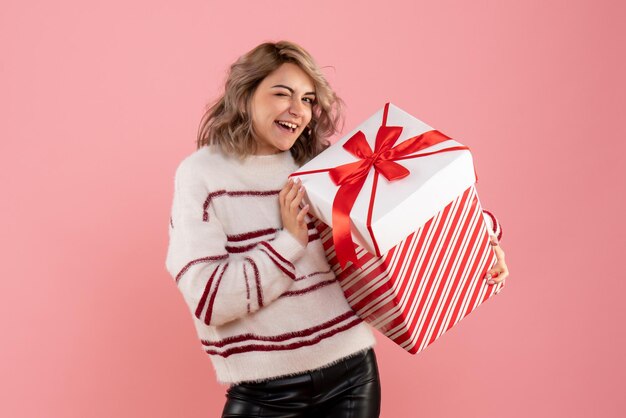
<point x="278" y="163"/>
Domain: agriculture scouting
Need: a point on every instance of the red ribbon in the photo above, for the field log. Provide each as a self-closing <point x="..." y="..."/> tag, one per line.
<point x="351" y="177"/>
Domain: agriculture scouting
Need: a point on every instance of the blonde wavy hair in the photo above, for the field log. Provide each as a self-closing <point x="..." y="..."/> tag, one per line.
<point x="228" y="121"/>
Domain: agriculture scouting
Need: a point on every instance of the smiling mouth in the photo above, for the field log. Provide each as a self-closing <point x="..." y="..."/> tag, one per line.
<point x="286" y="126"/>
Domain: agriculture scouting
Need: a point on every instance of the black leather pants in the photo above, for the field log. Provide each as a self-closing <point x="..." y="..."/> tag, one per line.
<point x="348" y="389"/>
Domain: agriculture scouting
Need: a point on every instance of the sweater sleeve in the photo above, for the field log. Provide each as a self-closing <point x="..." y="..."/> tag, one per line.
<point x="219" y="286"/>
<point x="494" y="227"/>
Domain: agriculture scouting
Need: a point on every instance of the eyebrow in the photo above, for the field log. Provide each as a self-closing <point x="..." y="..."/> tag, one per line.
<point x="291" y="90"/>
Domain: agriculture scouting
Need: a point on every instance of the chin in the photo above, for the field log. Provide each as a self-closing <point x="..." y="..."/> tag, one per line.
<point x="285" y="146"/>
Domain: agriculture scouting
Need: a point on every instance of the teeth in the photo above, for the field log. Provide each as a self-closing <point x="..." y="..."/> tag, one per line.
<point x="288" y="124"/>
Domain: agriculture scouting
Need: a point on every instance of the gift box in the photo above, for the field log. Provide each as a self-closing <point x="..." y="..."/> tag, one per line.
<point x="408" y="242"/>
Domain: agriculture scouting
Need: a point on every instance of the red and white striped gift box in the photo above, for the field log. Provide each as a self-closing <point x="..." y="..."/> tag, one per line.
<point x="427" y="283"/>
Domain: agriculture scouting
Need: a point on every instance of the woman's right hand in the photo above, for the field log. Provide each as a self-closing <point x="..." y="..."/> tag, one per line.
<point x="291" y="214"/>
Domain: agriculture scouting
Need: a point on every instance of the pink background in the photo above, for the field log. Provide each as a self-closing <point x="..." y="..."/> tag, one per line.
<point x="101" y="100"/>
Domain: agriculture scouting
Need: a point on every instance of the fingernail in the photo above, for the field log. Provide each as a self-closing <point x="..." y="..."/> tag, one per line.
<point x="488" y="276"/>
<point x="490" y="282"/>
<point x="301" y="188"/>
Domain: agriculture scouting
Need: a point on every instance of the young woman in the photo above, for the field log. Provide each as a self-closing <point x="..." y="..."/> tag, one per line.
<point x="248" y="259"/>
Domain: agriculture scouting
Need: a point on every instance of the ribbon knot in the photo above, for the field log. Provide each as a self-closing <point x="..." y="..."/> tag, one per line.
<point x="380" y="158"/>
<point x="351" y="177"/>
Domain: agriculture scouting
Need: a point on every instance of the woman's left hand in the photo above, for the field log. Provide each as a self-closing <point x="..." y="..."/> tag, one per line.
<point x="499" y="272"/>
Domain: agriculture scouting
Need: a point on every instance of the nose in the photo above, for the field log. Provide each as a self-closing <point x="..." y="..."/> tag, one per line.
<point x="296" y="108"/>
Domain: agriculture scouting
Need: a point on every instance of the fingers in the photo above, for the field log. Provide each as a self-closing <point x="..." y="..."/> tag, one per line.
<point x="301" y="216"/>
<point x="283" y="193"/>
<point x="497" y="274"/>
<point x="295" y="203"/>
<point x="291" y="196"/>
<point x="293" y="217"/>
<point x="291" y="193"/>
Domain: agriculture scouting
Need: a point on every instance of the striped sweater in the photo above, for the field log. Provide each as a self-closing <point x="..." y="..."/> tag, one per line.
<point x="230" y="257"/>
<point x="263" y="305"/>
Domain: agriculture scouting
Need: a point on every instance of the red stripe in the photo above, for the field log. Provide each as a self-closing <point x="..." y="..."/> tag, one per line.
<point x="308" y="289"/>
<point x="257" y="279"/>
<point x="313" y="274"/>
<point x="370" y="211"/>
<point x="292" y="346"/>
<point x="207" y="288"/>
<point x="238" y="193"/>
<point x="280" y="337"/>
<point x="314" y="237"/>
<point x="209" y="312"/>
<point x="301" y="173"/>
<point x="426" y="154"/>
<point x="249" y="235"/>
<point x="241" y="249"/>
<point x="245" y="276"/>
<point x="248" y="247"/>
<point x="280" y="257"/>
<point x="291" y="275"/>
<point x="385" y="112"/>
<point x="321" y="226"/>
<point x="199" y="260"/>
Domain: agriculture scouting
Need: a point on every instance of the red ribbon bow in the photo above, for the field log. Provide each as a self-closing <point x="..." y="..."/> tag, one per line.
<point x="351" y="177"/>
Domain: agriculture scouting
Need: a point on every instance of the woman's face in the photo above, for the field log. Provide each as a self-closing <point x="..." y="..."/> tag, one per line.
<point x="284" y="97"/>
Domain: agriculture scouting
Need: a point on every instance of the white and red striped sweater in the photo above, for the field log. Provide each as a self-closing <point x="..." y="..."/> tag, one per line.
<point x="263" y="305"/>
<point x="230" y="258"/>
